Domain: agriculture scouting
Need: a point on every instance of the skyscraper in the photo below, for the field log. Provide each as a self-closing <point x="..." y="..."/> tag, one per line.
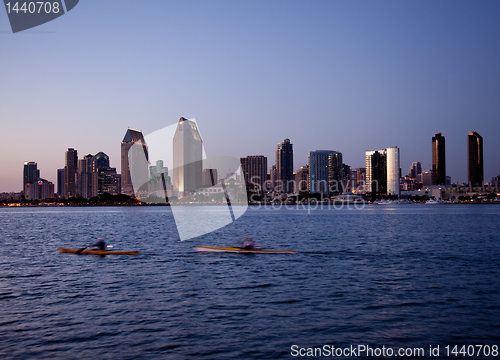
<point x="70" y="169"/>
<point x="475" y="165"/>
<point x="335" y="172"/>
<point x="284" y="166"/>
<point x="107" y="178"/>
<point x="376" y="171"/>
<point x="30" y="174"/>
<point x="255" y="171"/>
<point x="87" y="177"/>
<point x="60" y="183"/>
<point x="188" y="157"/>
<point x="393" y="171"/>
<point x="319" y="171"/>
<point x="131" y="137"/>
<point x="415" y="170"/>
<point x="438" y="160"/>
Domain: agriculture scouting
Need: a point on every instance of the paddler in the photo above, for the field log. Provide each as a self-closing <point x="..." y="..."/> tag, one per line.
<point x="100" y="244"/>
<point x="248" y="244"/>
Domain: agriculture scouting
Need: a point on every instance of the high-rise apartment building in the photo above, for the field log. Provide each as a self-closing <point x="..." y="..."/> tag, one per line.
<point x="139" y="166"/>
<point x="30" y="174"/>
<point x="70" y="172"/>
<point x="87" y="177"/>
<point x="320" y="175"/>
<point x="284" y="166"/>
<point x="475" y="165"/>
<point x="302" y="179"/>
<point x="358" y="178"/>
<point x="415" y="170"/>
<point x="108" y="181"/>
<point x="376" y="171"/>
<point x="188" y="157"/>
<point x="393" y="171"/>
<point x="438" y="160"/>
<point x="255" y="172"/>
<point x="60" y="183"/>
<point x="335" y="172"/>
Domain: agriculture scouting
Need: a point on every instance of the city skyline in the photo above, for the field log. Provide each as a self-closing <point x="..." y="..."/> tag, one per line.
<point x="365" y="76"/>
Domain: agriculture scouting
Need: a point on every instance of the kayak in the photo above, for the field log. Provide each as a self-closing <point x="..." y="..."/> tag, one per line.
<point x="211" y="249"/>
<point x="98" y="252"/>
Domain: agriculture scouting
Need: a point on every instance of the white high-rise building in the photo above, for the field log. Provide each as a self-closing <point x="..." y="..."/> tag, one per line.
<point x="393" y="172"/>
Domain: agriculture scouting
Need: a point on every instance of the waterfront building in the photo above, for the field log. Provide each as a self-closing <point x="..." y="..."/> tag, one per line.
<point x="426" y="178"/>
<point x="139" y="165"/>
<point x="70" y="173"/>
<point x="87" y="177"/>
<point x="209" y="177"/>
<point x="273" y="176"/>
<point x="376" y="171"/>
<point x="319" y="171"/>
<point x="107" y="178"/>
<point x="30" y="174"/>
<point x="188" y="157"/>
<point x="60" y="183"/>
<point x="39" y="189"/>
<point x="358" y="179"/>
<point x="415" y="170"/>
<point x="475" y="167"/>
<point x="284" y="166"/>
<point x="302" y="179"/>
<point x="393" y="171"/>
<point x="335" y="172"/>
<point x="438" y="160"/>
<point x="254" y="169"/>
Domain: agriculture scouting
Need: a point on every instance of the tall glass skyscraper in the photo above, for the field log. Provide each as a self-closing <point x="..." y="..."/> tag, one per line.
<point x="30" y="174"/>
<point x="376" y="171"/>
<point x="284" y="166"/>
<point x="131" y="137"/>
<point x="475" y="165"/>
<point x="393" y="171"/>
<point x="438" y="160"/>
<point x="188" y="157"/>
<point x="70" y="173"/>
<point x="320" y="171"/>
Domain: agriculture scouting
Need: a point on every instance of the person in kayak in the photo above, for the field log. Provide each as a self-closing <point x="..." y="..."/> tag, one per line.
<point x="100" y="244"/>
<point x="248" y="244"/>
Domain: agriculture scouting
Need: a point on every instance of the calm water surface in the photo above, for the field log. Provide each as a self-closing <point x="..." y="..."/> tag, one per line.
<point x="399" y="276"/>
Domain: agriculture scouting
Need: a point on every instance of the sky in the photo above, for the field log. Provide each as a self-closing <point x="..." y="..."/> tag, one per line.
<point x="348" y="76"/>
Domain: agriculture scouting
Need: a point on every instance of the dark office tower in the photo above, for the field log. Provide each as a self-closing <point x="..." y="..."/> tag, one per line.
<point x="131" y="137"/>
<point x="188" y="157"/>
<point x="284" y="166"/>
<point x="475" y="158"/>
<point x="60" y="183"/>
<point x="255" y="171"/>
<point x="70" y="171"/>
<point x="376" y="171"/>
<point x="102" y="160"/>
<point x="335" y="172"/>
<point x="106" y="175"/>
<point x="438" y="160"/>
<point x="30" y="174"/>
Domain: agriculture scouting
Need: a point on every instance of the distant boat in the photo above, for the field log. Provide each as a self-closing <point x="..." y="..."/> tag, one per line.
<point x="434" y="201"/>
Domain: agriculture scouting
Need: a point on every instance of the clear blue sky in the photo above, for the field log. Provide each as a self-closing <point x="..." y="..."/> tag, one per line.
<point x="341" y="75"/>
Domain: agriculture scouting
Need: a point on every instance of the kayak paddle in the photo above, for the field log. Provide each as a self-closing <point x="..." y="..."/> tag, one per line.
<point x="79" y="251"/>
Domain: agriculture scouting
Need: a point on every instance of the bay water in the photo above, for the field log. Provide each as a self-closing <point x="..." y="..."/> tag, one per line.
<point x="393" y="276"/>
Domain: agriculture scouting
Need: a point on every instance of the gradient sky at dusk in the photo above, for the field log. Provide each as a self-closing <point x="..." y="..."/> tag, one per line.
<point x="338" y="75"/>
